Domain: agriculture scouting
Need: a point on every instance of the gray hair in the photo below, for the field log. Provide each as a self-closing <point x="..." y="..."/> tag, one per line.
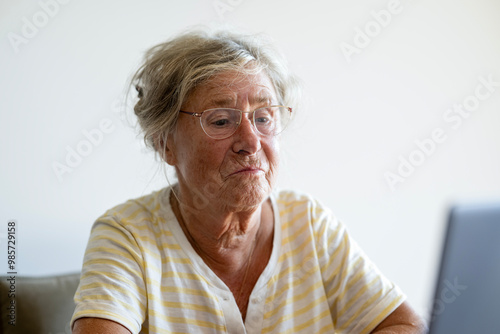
<point x="173" y="69"/>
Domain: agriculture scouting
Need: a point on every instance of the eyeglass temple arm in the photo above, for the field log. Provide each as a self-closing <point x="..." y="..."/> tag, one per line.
<point x="195" y="114"/>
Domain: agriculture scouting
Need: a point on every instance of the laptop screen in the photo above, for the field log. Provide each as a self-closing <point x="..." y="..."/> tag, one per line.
<point x="467" y="295"/>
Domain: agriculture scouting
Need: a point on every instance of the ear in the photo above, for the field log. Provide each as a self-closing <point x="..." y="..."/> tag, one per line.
<point x="165" y="146"/>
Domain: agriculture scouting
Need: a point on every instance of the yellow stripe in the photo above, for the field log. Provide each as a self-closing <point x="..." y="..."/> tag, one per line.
<point x="144" y="238"/>
<point x="120" y="278"/>
<point x="153" y="253"/>
<point x="293" y="284"/>
<point x="157" y="208"/>
<point x="170" y="274"/>
<point x="362" y="309"/>
<point x="289" y="270"/>
<point x="295" y="314"/>
<point x="326" y="329"/>
<point x="129" y="285"/>
<point x="111" y="232"/>
<point x="144" y="206"/>
<point x="322" y="231"/>
<point x="132" y="219"/>
<point x="147" y="227"/>
<point x="355" y="298"/>
<point x="353" y="280"/>
<point x="329" y="241"/>
<point x="177" y="274"/>
<point x="181" y="260"/>
<point x="96" y="298"/>
<point x="160" y="299"/>
<point x="183" y="320"/>
<point x="287" y="202"/>
<point x="147" y="239"/>
<point x="121" y="210"/>
<point x="194" y="307"/>
<point x="293" y="252"/>
<point x="292" y="237"/>
<point x="116" y="210"/>
<point x="308" y="323"/>
<point x="384" y="314"/>
<point x="315" y="210"/>
<point x="112" y="263"/>
<point x="164" y="260"/>
<point x="114" y="288"/>
<point x="187" y="291"/>
<point x="290" y="222"/>
<point x="334" y="257"/>
<point x="293" y="299"/>
<point x="116" y="236"/>
<point x="150" y="266"/>
<point x="108" y="250"/>
<point x="289" y="207"/>
<point x="131" y="250"/>
<point x="155" y="283"/>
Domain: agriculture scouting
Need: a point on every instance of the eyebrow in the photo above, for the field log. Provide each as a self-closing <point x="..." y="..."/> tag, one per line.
<point x="221" y="102"/>
<point x="229" y="101"/>
<point x="262" y="99"/>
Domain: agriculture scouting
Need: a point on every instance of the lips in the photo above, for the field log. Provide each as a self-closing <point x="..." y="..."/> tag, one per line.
<point x="249" y="170"/>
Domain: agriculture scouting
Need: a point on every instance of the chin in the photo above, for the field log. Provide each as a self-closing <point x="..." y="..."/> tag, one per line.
<point x="245" y="195"/>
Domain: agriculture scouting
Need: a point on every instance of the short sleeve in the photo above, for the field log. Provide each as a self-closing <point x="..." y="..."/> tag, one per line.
<point x="358" y="294"/>
<point x="112" y="281"/>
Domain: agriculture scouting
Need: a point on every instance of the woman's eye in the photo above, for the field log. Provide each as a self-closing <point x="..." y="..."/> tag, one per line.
<point x="219" y="118"/>
<point x="262" y="120"/>
<point x="221" y="122"/>
<point x="264" y="116"/>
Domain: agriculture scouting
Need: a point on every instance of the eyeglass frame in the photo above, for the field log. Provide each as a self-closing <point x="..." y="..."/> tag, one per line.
<point x="196" y="114"/>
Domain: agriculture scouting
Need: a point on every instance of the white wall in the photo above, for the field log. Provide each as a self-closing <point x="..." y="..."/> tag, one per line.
<point x="361" y="113"/>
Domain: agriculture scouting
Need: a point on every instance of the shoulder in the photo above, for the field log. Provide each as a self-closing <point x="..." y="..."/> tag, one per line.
<point x="138" y="210"/>
<point x="132" y="230"/>
<point x="287" y="198"/>
<point x="295" y="201"/>
<point x="139" y="220"/>
<point x="296" y="208"/>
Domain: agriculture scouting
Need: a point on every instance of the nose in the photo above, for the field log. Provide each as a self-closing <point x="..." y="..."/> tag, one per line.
<point x="246" y="138"/>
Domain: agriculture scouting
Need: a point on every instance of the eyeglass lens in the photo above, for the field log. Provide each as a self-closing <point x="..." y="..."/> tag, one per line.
<point x="223" y="122"/>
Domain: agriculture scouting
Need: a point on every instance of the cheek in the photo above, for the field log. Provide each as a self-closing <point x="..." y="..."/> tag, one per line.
<point x="210" y="157"/>
<point x="273" y="153"/>
<point x="200" y="159"/>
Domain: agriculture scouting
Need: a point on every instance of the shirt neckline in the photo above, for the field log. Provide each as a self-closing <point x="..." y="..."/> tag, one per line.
<point x="201" y="267"/>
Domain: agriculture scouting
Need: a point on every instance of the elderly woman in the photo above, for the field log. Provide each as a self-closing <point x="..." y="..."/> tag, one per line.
<point x="222" y="251"/>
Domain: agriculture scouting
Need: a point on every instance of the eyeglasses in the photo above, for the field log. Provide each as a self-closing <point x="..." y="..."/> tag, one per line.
<point x="221" y="123"/>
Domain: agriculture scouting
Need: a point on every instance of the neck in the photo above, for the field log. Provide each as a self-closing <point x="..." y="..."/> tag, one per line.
<point x="223" y="239"/>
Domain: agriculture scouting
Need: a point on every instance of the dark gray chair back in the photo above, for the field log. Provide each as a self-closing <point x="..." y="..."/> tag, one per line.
<point x="43" y="305"/>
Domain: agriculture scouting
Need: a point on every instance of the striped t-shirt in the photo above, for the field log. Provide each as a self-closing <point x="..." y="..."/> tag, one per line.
<point x="141" y="271"/>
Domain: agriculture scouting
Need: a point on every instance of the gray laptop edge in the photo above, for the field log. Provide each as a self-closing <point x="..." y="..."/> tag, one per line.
<point x="467" y="294"/>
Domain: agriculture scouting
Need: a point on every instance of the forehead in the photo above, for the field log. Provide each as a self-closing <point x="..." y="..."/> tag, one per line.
<point x="231" y="88"/>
